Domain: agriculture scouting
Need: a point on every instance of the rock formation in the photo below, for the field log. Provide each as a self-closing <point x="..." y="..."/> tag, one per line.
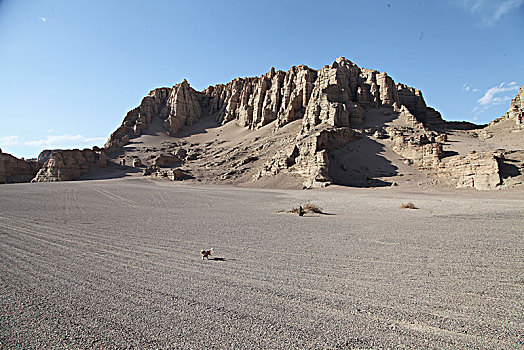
<point x="329" y="102"/>
<point x="334" y="96"/>
<point x="176" y="107"/>
<point x="308" y="156"/>
<point x="516" y="111"/>
<point x="306" y="118"/>
<point x="14" y="170"/>
<point x="478" y="170"/>
<point x="65" y="165"/>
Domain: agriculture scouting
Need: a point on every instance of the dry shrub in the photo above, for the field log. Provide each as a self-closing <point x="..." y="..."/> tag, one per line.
<point x="293" y="211"/>
<point x="312" y="208"/>
<point x="408" y="205"/>
<point x="308" y="208"/>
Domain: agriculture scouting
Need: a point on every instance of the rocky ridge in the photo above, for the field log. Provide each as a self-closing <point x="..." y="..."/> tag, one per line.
<point x="302" y="124"/>
<point x="336" y="95"/>
<point x="65" y="165"/>
<point x="329" y="102"/>
<point x="13" y="170"/>
<point x="515" y="114"/>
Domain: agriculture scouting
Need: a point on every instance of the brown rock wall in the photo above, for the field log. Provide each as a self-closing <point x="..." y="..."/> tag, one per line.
<point x="65" y="165"/>
<point x="308" y="156"/>
<point x="476" y="170"/>
<point x="13" y="170"/>
<point x="337" y="95"/>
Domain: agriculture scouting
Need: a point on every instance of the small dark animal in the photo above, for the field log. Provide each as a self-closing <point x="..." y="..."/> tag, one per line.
<point x="206" y="253"/>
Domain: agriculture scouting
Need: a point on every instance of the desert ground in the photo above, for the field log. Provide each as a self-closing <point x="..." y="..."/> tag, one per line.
<point x="116" y="264"/>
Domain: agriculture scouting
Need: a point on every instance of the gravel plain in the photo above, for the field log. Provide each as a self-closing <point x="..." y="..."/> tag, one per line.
<point x="116" y="264"/>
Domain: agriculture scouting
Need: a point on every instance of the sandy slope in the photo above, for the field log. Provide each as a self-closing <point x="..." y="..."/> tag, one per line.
<point x="230" y="154"/>
<point x="115" y="263"/>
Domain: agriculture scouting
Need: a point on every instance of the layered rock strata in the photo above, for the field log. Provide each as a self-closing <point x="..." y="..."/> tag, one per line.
<point x="330" y="103"/>
<point x="13" y="170"/>
<point x="308" y="156"/>
<point x="334" y="96"/>
<point x="421" y="149"/>
<point x="65" y="165"/>
<point x="478" y="170"/>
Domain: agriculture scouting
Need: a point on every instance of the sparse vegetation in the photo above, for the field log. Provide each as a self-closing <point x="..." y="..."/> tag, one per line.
<point x="307" y="208"/>
<point x="313" y="208"/>
<point x="408" y="205"/>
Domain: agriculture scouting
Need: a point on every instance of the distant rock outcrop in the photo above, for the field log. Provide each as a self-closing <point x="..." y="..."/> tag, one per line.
<point x="516" y="110"/>
<point x="302" y="120"/>
<point x="308" y="156"/>
<point x="334" y="96"/>
<point x="175" y="107"/>
<point x="65" y="165"/>
<point x="329" y="102"/>
<point x="478" y="170"/>
<point x="13" y="170"/>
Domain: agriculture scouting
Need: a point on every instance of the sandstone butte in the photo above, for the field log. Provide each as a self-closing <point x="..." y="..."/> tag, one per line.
<point x="305" y="128"/>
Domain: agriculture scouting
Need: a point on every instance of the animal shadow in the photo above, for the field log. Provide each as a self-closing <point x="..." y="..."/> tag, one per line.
<point x="221" y="259"/>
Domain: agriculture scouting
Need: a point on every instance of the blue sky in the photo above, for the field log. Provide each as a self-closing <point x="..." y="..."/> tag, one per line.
<point x="70" y="70"/>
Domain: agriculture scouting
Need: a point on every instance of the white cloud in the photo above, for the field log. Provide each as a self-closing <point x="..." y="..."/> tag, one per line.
<point x="43" y="19"/>
<point x="505" y="7"/>
<point x="498" y="94"/>
<point x="65" y="141"/>
<point x="490" y="11"/>
<point x="11" y="140"/>
<point x="468" y="88"/>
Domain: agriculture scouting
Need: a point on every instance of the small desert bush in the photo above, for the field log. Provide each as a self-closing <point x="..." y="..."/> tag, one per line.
<point x="408" y="205"/>
<point x="312" y="208"/>
<point x="308" y="208"/>
<point x="292" y="211"/>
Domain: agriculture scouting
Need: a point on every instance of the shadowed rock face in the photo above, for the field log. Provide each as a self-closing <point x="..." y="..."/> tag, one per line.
<point x="336" y="95"/>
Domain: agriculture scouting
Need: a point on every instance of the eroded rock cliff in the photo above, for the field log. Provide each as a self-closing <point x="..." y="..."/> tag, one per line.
<point x="304" y="120"/>
<point x="329" y="102"/>
<point x="336" y="95"/>
<point x="14" y="170"/>
<point x="65" y="165"/>
<point x="515" y="114"/>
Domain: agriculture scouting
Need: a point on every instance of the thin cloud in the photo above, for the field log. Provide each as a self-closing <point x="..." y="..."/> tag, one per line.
<point x="11" y="140"/>
<point x="468" y="88"/>
<point x="505" y="7"/>
<point x="490" y="11"/>
<point x="65" y="141"/>
<point x="43" y="19"/>
<point x="498" y="94"/>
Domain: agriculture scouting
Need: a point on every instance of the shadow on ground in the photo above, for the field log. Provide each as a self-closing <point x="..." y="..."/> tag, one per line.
<point x="359" y="164"/>
<point x="222" y="259"/>
<point x="111" y="171"/>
